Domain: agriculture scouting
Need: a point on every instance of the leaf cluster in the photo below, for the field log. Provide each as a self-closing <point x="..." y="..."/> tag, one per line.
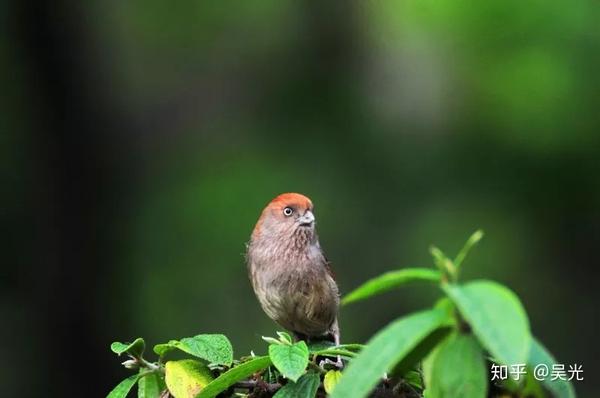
<point x="442" y="352"/>
<point x="476" y="324"/>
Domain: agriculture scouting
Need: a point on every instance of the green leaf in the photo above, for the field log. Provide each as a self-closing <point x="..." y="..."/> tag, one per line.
<point x="472" y="241"/>
<point x="457" y="369"/>
<point x="420" y="351"/>
<point x="531" y="388"/>
<point x="540" y="355"/>
<point x="335" y="352"/>
<point x="438" y="256"/>
<point x="150" y="385"/>
<point x="497" y="318"/>
<point x="215" y="348"/>
<point x="285" y="337"/>
<point x="187" y="377"/>
<point x="320" y="346"/>
<point x="233" y="375"/>
<point x="328" y="348"/>
<point x="123" y="388"/>
<point x="305" y="387"/>
<point x="387" y="348"/>
<point x="290" y="360"/>
<point x="135" y="349"/>
<point x="444" y="264"/>
<point x="351" y="346"/>
<point x="162" y="349"/>
<point x="391" y="280"/>
<point x="331" y="379"/>
<point x="413" y="378"/>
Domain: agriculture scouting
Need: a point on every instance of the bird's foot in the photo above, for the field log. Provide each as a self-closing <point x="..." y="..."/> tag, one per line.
<point x="339" y="364"/>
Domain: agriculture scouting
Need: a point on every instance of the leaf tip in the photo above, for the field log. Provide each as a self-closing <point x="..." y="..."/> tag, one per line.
<point x="477" y="236"/>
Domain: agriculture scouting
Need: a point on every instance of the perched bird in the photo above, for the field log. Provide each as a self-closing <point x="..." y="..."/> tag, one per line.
<point x="289" y="272"/>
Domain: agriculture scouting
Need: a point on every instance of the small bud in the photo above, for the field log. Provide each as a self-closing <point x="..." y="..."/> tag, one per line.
<point x="131" y="364"/>
<point x="271" y="340"/>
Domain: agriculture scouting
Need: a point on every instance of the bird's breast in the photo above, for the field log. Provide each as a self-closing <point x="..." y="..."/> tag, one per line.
<point x="297" y="292"/>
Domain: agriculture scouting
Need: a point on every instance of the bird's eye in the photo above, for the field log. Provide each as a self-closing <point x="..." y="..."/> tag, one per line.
<point x="288" y="211"/>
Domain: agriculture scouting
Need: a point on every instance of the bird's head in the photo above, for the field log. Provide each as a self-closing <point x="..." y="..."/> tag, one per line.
<point x="286" y="216"/>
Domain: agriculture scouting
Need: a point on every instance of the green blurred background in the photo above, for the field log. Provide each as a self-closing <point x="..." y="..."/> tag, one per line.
<point x="141" y="139"/>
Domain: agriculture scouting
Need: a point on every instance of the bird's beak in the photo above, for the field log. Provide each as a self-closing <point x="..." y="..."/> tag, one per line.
<point x="308" y="218"/>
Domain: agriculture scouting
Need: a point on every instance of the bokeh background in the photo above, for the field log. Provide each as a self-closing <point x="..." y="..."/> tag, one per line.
<point x="141" y="139"/>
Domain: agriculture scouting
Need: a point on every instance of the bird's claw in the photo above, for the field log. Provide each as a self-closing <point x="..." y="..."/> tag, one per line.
<point x="339" y="364"/>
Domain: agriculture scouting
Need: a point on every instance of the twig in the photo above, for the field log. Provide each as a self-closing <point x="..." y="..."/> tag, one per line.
<point x="252" y="384"/>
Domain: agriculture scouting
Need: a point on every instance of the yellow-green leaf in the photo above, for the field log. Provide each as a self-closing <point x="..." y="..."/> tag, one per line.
<point x="331" y="379"/>
<point x="186" y="378"/>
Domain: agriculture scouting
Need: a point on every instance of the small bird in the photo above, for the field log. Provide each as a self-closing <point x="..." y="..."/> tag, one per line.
<point x="289" y="272"/>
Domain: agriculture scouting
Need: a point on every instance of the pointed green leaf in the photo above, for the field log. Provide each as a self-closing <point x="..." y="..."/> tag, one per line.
<point x="150" y="386"/>
<point x="387" y="348"/>
<point x="305" y="387"/>
<point x="336" y="352"/>
<point x="540" y="355"/>
<point x="233" y="375"/>
<point x="420" y="351"/>
<point x="215" y="348"/>
<point x="389" y="281"/>
<point x="472" y="241"/>
<point x="135" y="349"/>
<point x="439" y="258"/>
<point x="497" y="318"/>
<point x="456" y="369"/>
<point x="290" y="360"/>
<point x="123" y="388"/>
<point x="443" y="263"/>
<point x="319" y="346"/>
<point x="351" y="347"/>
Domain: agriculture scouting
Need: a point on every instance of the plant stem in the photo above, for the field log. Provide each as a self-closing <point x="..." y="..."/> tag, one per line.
<point x="149" y="365"/>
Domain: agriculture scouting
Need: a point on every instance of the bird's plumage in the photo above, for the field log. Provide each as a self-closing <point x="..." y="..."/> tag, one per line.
<point x="288" y="270"/>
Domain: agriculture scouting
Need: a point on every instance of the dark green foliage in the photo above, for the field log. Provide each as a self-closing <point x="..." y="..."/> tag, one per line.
<point x="306" y="386"/>
<point x="436" y="353"/>
<point x="484" y="315"/>
<point x="459" y="352"/>
<point x="386" y="349"/>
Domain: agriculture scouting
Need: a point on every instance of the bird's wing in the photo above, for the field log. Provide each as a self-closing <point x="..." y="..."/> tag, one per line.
<point x="326" y="262"/>
<point x="328" y="266"/>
